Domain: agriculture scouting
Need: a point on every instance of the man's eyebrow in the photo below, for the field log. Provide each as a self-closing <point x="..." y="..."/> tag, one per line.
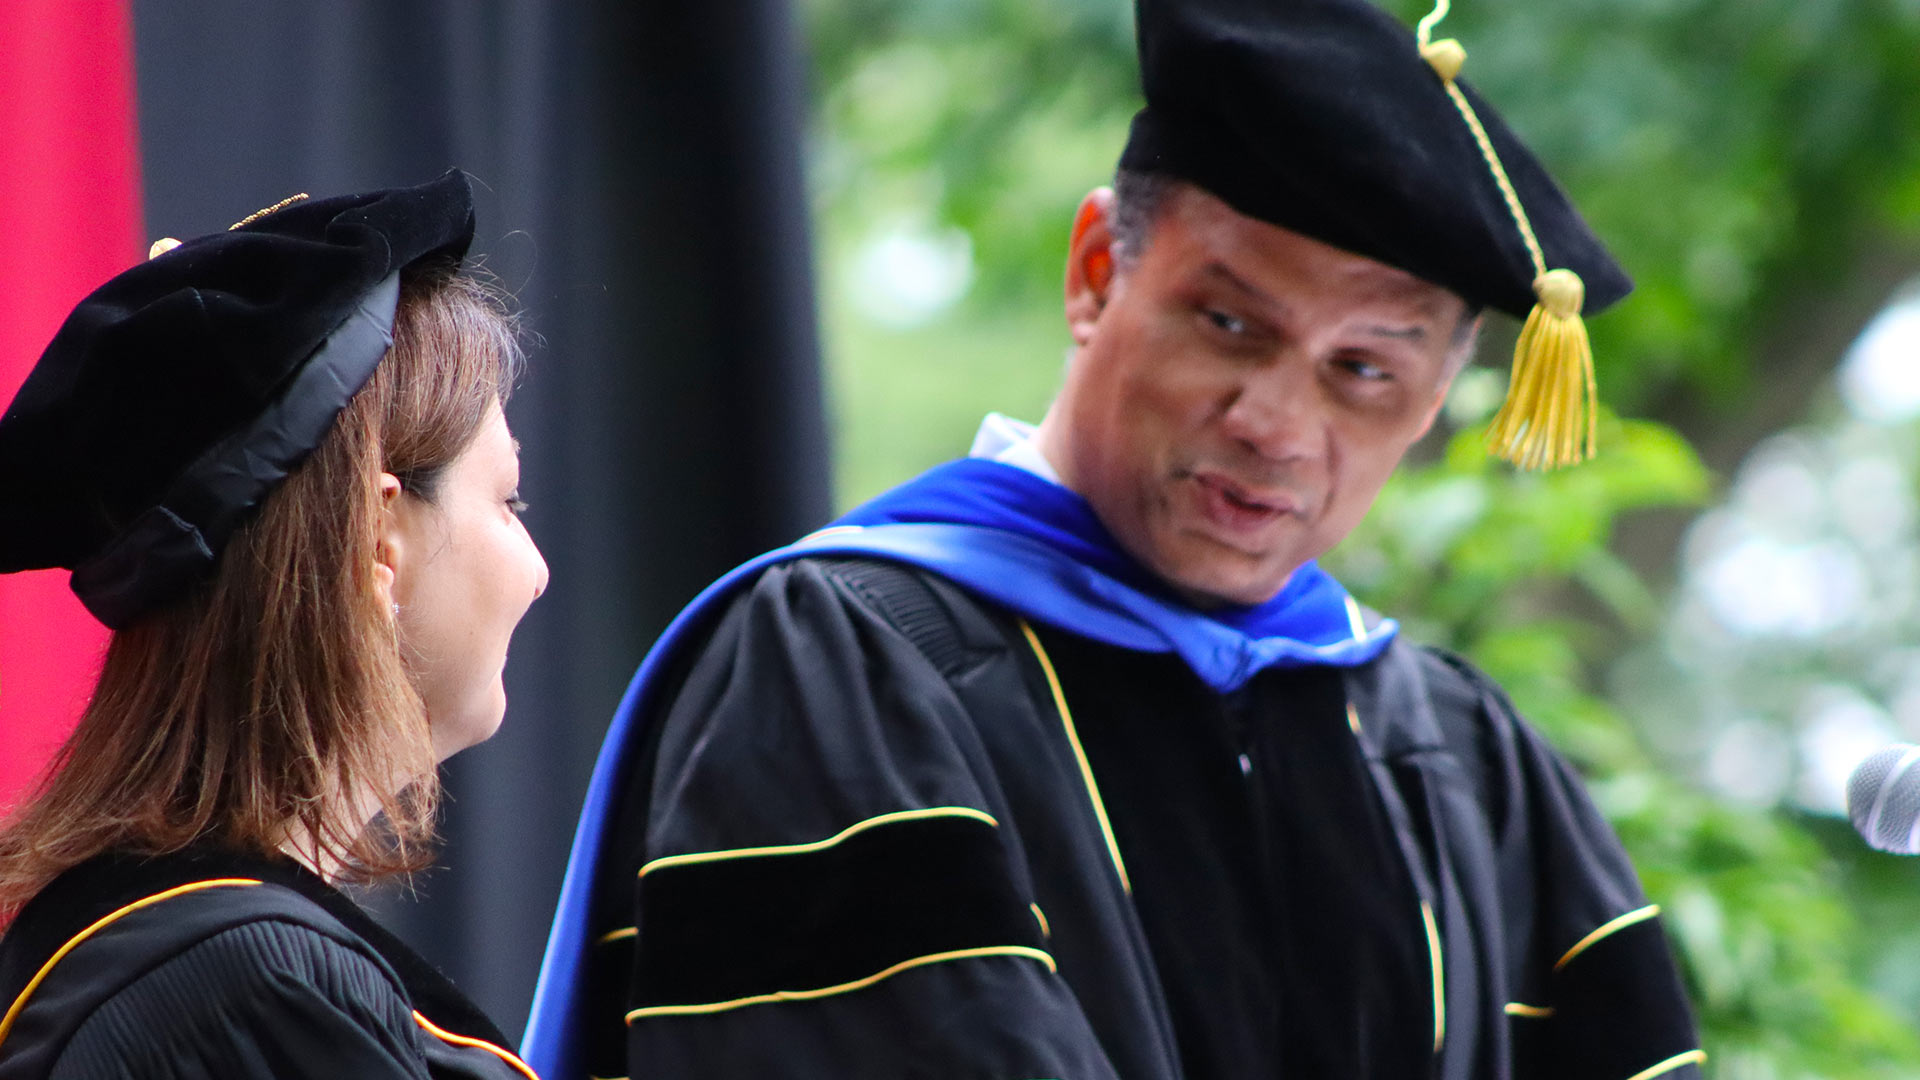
<point x="1216" y="269"/>
<point x="1220" y="270"/>
<point x="1401" y="333"/>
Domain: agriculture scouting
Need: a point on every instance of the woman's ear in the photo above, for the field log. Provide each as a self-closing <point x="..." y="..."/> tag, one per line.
<point x="389" y="550"/>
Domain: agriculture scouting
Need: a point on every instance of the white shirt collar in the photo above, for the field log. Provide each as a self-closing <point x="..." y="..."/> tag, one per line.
<point x="1012" y="442"/>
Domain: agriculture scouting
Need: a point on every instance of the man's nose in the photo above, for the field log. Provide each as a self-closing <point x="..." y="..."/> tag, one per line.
<point x="1278" y="413"/>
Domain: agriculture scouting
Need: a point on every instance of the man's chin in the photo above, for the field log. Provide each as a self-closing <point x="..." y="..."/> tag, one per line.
<point x="1222" y="580"/>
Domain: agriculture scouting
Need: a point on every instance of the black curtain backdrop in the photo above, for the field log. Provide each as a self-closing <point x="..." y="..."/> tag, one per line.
<point x="643" y="197"/>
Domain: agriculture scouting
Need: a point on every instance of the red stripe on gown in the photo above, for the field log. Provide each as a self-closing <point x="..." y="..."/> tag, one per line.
<point x="69" y="219"/>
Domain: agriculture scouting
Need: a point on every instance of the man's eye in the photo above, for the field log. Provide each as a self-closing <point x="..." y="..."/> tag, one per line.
<point x="1226" y="322"/>
<point x="1365" y="369"/>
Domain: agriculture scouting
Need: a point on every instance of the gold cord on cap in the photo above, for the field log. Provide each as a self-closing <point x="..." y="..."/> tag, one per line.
<point x="263" y="212"/>
<point x="167" y="243"/>
<point x="1551" y="398"/>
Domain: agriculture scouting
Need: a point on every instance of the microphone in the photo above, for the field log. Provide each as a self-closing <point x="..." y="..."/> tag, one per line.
<point x="1883" y="799"/>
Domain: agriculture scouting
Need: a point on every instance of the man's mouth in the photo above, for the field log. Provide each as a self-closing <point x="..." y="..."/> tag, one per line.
<point x="1237" y="508"/>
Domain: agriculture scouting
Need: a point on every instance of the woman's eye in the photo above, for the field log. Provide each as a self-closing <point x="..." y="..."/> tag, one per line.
<point x="515" y="505"/>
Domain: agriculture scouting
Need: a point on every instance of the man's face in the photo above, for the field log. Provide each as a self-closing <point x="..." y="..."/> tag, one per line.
<point x="1240" y="392"/>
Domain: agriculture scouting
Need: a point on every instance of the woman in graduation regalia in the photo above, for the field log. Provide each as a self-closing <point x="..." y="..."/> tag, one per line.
<point x="276" y="462"/>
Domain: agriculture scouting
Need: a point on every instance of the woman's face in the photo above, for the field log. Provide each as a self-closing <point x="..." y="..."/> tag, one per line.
<point x="464" y="572"/>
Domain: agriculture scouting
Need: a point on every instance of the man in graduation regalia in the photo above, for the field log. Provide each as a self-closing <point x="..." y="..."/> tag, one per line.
<point x="1065" y="759"/>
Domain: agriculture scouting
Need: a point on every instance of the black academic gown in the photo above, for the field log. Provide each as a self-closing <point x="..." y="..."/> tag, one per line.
<point x="885" y="830"/>
<point x="210" y="964"/>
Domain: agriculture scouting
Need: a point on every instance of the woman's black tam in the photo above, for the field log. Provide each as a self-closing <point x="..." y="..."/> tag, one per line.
<point x="180" y="393"/>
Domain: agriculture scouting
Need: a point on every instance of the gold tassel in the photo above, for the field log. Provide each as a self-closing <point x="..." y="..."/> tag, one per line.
<point x="1549" y="416"/>
<point x="1551" y="400"/>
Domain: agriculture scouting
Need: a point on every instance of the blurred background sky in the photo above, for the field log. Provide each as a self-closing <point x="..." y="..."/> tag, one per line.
<point x="786" y="255"/>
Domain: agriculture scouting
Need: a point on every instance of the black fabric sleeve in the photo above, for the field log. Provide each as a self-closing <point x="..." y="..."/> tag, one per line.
<point x="831" y="882"/>
<point x="265" y="999"/>
<point x="1596" y="994"/>
<point x="1618" y="1008"/>
<point x="899" y="890"/>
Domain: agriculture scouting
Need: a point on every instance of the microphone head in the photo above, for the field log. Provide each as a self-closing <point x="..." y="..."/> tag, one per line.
<point x="1883" y="799"/>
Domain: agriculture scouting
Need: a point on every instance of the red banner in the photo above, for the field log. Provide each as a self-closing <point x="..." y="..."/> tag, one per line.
<point x="69" y="219"/>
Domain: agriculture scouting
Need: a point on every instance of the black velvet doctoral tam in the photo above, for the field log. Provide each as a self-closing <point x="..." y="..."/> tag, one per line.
<point x="179" y="394"/>
<point x="1321" y="116"/>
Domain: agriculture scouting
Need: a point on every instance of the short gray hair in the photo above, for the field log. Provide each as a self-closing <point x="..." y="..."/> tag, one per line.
<point x="1138" y="198"/>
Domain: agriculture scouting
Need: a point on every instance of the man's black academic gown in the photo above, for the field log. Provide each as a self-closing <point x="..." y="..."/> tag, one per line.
<point x="884" y="829"/>
<point x="210" y="965"/>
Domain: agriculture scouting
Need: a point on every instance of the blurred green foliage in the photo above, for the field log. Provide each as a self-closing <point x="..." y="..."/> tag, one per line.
<point x="1513" y="569"/>
<point x="1743" y="157"/>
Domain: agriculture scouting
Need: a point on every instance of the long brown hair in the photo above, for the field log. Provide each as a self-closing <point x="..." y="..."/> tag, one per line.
<point x="271" y="705"/>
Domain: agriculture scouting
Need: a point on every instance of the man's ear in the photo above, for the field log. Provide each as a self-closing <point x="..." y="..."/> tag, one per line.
<point x="390" y="549"/>
<point x="1090" y="266"/>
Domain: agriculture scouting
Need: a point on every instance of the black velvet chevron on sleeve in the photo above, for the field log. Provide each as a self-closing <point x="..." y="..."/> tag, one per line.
<point x="1618" y="1009"/>
<point x="742" y="925"/>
